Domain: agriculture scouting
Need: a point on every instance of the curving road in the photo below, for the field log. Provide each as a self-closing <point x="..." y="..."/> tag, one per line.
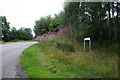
<point x="11" y="67"/>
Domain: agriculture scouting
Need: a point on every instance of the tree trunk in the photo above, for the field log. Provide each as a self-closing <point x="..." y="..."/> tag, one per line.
<point x="109" y="15"/>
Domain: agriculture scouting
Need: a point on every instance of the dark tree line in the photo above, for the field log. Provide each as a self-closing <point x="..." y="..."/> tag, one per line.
<point x="98" y="20"/>
<point x="5" y="28"/>
<point x="12" y="34"/>
<point x="21" y="34"/>
<point x="46" y="24"/>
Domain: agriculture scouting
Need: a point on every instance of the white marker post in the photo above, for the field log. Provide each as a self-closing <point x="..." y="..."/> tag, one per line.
<point x="87" y="39"/>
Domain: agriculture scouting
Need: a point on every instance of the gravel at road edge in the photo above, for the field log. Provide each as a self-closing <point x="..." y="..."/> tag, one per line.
<point x="20" y="73"/>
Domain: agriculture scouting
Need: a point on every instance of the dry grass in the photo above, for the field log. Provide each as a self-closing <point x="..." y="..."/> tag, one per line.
<point x="98" y="63"/>
<point x="63" y="64"/>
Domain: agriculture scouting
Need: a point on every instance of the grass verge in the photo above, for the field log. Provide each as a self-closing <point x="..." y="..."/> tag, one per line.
<point x="44" y="60"/>
<point x="2" y="42"/>
<point x="32" y="65"/>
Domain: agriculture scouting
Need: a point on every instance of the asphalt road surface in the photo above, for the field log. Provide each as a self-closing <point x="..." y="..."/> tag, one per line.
<point x="11" y="67"/>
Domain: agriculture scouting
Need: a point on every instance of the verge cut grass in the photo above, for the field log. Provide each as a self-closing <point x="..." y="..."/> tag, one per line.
<point x="45" y="61"/>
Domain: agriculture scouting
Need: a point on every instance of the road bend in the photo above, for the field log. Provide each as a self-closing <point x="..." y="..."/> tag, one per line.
<point x="10" y="56"/>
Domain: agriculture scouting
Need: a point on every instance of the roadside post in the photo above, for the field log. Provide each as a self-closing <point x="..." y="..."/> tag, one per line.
<point x="87" y="39"/>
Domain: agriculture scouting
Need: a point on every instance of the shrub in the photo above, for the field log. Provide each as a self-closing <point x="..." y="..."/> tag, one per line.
<point x="63" y="46"/>
<point x="42" y="43"/>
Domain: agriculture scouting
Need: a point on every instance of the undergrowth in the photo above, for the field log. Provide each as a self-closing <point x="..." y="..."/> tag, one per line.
<point x="64" y="58"/>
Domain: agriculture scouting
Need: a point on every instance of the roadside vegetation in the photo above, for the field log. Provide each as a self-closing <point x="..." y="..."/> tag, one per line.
<point x="8" y="34"/>
<point x="47" y="60"/>
<point x="2" y="42"/>
<point x="59" y="52"/>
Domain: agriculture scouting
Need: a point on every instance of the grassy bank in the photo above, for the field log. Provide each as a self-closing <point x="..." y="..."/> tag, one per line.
<point x="51" y="59"/>
<point x="31" y="63"/>
<point x="2" y="42"/>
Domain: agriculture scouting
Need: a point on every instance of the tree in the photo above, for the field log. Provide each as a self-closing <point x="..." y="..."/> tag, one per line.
<point x="54" y="24"/>
<point x="28" y="34"/>
<point x="87" y="19"/>
<point x="46" y="24"/>
<point x="63" y="19"/>
<point x="96" y="20"/>
<point x="42" y="25"/>
<point x="14" y="34"/>
<point x="5" y="28"/>
<point x="24" y="34"/>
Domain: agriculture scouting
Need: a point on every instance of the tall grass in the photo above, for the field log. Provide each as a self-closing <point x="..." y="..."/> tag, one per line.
<point x="85" y="64"/>
<point x="63" y="57"/>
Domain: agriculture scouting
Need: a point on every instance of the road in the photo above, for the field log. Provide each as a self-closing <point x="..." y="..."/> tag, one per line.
<point x="11" y="67"/>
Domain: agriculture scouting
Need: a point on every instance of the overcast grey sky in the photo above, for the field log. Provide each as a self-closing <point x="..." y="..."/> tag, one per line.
<point x="23" y="13"/>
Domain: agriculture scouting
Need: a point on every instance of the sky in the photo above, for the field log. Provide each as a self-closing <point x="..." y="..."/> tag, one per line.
<point x="24" y="13"/>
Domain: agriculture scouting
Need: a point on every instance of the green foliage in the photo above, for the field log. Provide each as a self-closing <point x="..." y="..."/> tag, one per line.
<point x="5" y="28"/>
<point x="33" y="66"/>
<point x="96" y="21"/>
<point x="62" y="45"/>
<point x="30" y="59"/>
<point x="14" y="34"/>
<point x="42" y="43"/>
<point x="63" y="19"/>
<point x="43" y="60"/>
<point x="93" y="20"/>
<point x="42" y="25"/>
<point x="72" y="11"/>
<point x="21" y="34"/>
<point x="54" y="24"/>
<point x="46" y="24"/>
<point x="87" y="19"/>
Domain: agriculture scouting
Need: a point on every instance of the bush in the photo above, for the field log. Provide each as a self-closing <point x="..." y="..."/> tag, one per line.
<point x="42" y="43"/>
<point x="63" y="46"/>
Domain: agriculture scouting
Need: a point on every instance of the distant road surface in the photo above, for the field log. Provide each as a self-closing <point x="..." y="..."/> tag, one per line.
<point x="11" y="67"/>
